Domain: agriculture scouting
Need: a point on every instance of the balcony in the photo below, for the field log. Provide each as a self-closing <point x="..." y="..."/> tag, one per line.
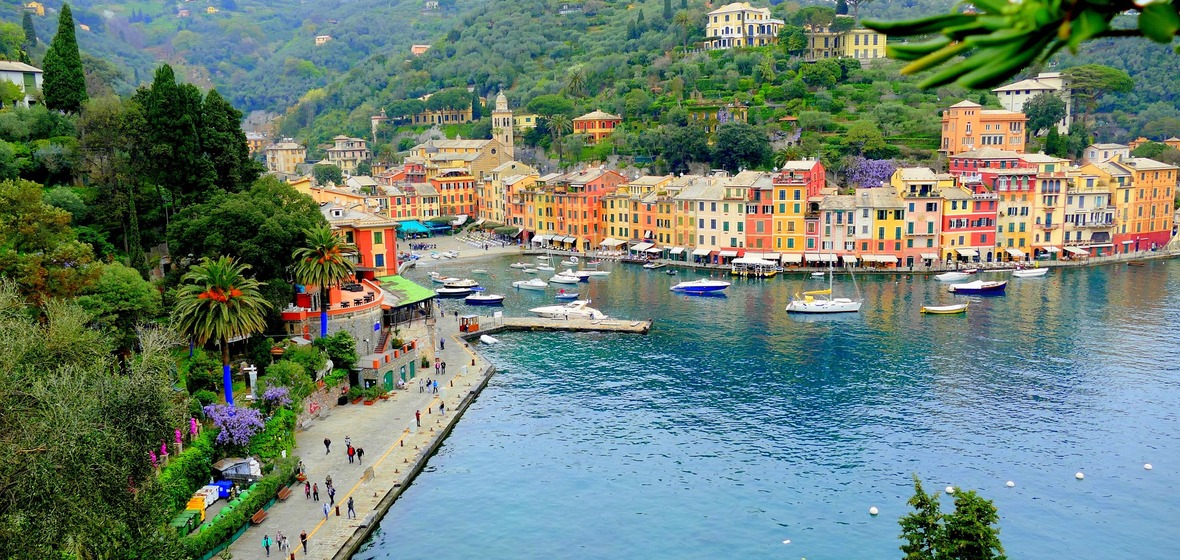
<point x="1048" y="227"/>
<point x="985" y="196"/>
<point x="1094" y="225"/>
<point x="971" y="178"/>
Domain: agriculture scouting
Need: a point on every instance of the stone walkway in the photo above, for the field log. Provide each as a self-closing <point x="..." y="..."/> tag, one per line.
<point x="393" y="445"/>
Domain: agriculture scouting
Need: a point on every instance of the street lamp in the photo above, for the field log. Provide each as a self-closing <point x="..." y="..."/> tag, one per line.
<point x="367" y="349"/>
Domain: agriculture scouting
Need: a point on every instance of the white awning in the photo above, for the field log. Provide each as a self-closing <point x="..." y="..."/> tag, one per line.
<point x="1053" y="249"/>
<point x="1128" y="242"/>
<point x="728" y="253"/>
<point x="1015" y="253"/>
<point x="542" y="238"/>
<point x="930" y="256"/>
<point x="459" y="220"/>
<point x="1100" y="246"/>
<point x="850" y="259"/>
<point x="569" y="240"/>
<point x="1077" y="251"/>
<point x="611" y="242"/>
<point x="883" y="259"/>
<point x="967" y="252"/>
<point x="826" y="257"/>
<point x="641" y="246"/>
<point x="811" y="257"/>
<point x="793" y="258"/>
<point x="676" y="251"/>
<point x="753" y="261"/>
<point x="700" y="252"/>
<point x="653" y="250"/>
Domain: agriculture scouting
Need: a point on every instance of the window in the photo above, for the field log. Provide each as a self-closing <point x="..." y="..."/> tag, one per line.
<point x="380" y="259"/>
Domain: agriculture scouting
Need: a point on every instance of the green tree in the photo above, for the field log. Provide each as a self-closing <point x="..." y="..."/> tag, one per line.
<point x="320" y="262"/>
<point x="550" y="105"/>
<point x="64" y="81"/>
<point x="12" y="41"/>
<point x="559" y="125"/>
<point x="39" y="251"/>
<point x="999" y="39"/>
<point x="217" y="302"/>
<point x="575" y="81"/>
<point x="120" y="302"/>
<point x="1089" y="82"/>
<point x="819" y="75"/>
<point x="1149" y="150"/>
<point x="814" y="17"/>
<point x="1054" y="144"/>
<point x="855" y="5"/>
<point x="667" y="10"/>
<point x="922" y="529"/>
<point x="740" y="145"/>
<point x="864" y="136"/>
<point x="792" y="39"/>
<point x="683" y="20"/>
<point x="224" y="144"/>
<point x="970" y="532"/>
<point x="1044" y="110"/>
<point x="684" y="145"/>
<point x="30" y="31"/>
<point x="325" y="173"/>
<point x="476" y="106"/>
<point x="340" y="347"/>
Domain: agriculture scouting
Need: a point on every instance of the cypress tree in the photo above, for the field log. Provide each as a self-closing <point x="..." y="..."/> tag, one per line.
<point x="476" y="106"/>
<point x="683" y="4"/>
<point x="224" y="144"/>
<point x="30" y="31"/>
<point x="667" y="10"/>
<point x="64" y="81"/>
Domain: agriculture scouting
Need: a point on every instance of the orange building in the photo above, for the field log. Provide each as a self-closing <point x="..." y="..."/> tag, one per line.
<point x="572" y="204"/>
<point x="967" y="126"/>
<point x="596" y="125"/>
<point x="375" y="237"/>
<point x="1144" y="218"/>
<point x="456" y="193"/>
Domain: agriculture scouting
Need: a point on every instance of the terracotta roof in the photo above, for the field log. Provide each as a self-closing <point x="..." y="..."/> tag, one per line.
<point x="598" y="115"/>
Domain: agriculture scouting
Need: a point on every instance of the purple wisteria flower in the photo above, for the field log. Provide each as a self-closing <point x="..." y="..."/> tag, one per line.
<point x="237" y="425"/>
<point x="275" y="397"/>
<point x="863" y="172"/>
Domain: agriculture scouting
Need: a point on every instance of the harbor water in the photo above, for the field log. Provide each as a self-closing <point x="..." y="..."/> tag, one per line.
<point x="736" y="431"/>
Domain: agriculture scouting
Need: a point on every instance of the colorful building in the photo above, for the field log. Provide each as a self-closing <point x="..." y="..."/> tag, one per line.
<point x="569" y="206"/>
<point x="881" y="223"/>
<point x="823" y="42"/>
<point x="967" y="125"/>
<point x="346" y="153"/>
<point x="374" y="236"/>
<point x="837" y="216"/>
<point x="715" y="113"/>
<point x="283" y="157"/>
<point x="741" y="25"/>
<point x="473" y="157"/>
<point x="754" y="192"/>
<point x="968" y="224"/>
<point x="456" y="193"/>
<point x="1089" y="215"/>
<point x="492" y="191"/>
<point x="795" y="184"/>
<point x="1014" y="212"/>
<point x="920" y="188"/>
<point x="621" y="208"/>
<point x="1147" y="221"/>
<point x="596" y="125"/>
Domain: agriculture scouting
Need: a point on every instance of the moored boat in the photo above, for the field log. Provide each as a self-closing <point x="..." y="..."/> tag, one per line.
<point x="944" y="309"/>
<point x="1030" y="272"/>
<point x="1136" y="263"/>
<point x="654" y="265"/>
<point x="452" y="292"/>
<point x="566" y="295"/>
<point x="700" y="286"/>
<point x="520" y="265"/>
<point x="545" y="268"/>
<point x="530" y="284"/>
<point x="978" y="287"/>
<point x="573" y="310"/>
<point x="440" y="279"/>
<point x="752" y="267"/>
<point x="461" y="283"/>
<point x="488" y="339"/>
<point x="952" y="276"/>
<point x="563" y="278"/>
<point x="484" y="299"/>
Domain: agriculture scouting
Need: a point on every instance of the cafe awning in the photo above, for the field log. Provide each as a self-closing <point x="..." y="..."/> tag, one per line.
<point x="967" y="252"/>
<point x="653" y="250"/>
<point x="1015" y="253"/>
<point x="883" y="259"/>
<point x="700" y="252"/>
<point x="792" y="258"/>
<point x="1077" y="251"/>
<point x="569" y="239"/>
<point x="725" y="254"/>
<point x="1053" y="249"/>
<point x="850" y="259"/>
<point x="611" y="242"/>
<point x="542" y="238"/>
<point x="641" y="246"/>
<point x="930" y="256"/>
<point x="676" y="251"/>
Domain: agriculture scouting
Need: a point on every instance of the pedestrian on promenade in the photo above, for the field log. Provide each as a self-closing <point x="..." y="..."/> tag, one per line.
<point x="441" y="408"/>
<point x="325" y="512"/>
<point x="419" y="384"/>
<point x="281" y="541"/>
<point x="351" y="512"/>
<point x="418" y="417"/>
<point x="437" y="366"/>
<point x="331" y="496"/>
<point x="315" y="492"/>
<point x="307" y="490"/>
<point x="360" y="455"/>
<point x="328" y="481"/>
<point x="444" y="367"/>
<point x="266" y="544"/>
<point x="348" y="441"/>
<point x="351" y="453"/>
<point x="303" y="540"/>
<point x="436" y="386"/>
<point x="327" y="446"/>
<point x="442" y="344"/>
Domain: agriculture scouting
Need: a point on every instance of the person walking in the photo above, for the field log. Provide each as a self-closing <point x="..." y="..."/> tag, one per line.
<point x="360" y="455"/>
<point x="351" y="511"/>
<point x="419" y="384"/>
<point x="351" y="453"/>
<point x="327" y="446"/>
<point x="281" y="541"/>
<point x="442" y="408"/>
<point x="266" y="544"/>
<point x="436" y="386"/>
<point x="331" y="495"/>
<point x="418" y="417"/>
<point x="444" y="367"/>
<point x="437" y="365"/>
<point x="442" y="344"/>
<point x="348" y="441"/>
<point x="315" y="492"/>
<point x="307" y="490"/>
<point x="325" y="512"/>
<point x="303" y="541"/>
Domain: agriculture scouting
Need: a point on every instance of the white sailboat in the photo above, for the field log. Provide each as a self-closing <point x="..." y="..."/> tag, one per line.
<point x="821" y="301"/>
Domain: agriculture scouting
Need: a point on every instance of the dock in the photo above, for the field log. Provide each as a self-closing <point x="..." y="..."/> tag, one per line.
<point x="569" y="325"/>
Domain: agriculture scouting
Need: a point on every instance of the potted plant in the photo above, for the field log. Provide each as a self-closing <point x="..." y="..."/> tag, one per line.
<point x="355" y="394"/>
<point x="371" y="394"/>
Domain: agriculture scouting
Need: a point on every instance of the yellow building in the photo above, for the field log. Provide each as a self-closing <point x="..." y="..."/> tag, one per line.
<point x="211" y="10"/>
<point x="1014" y="218"/>
<point x="741" y="25"/>
<point x="823" y="42"/>
<point x="596" y="125"/>
<point x="492" y="191"/>
<point x="282" y="157"/>
<point x="444" y="116"/>
<point x="715" y="113"/>
<point x="346" y="153"/>
<point x="621" y="213"/>
<point x="702" y="199"/>
<point x="35" y="8"/>
<point x="527" y="121"/>
<point x="880" y="221"/>
<point x="684" y="226"/>
<point x="474" y="157"/>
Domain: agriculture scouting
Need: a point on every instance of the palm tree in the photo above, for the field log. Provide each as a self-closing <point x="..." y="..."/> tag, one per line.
<point x="216" y="301"/>
<point x="781" y="157"/>
<point x="683" y="19"/>
<point x="559" y="125"/>
<point x="575" y="83"/>
<point x="321" y="263"/>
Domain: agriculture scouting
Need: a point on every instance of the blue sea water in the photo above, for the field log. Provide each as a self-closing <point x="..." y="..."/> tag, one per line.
<point x="734" y="427"/>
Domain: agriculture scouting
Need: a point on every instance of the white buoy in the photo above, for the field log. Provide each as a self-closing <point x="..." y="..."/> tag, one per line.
<point x="1010" y="484"/>
<point x="873" y="510"/>
<point x="1147" y="466"/>
<point x="788" y="541"/>
<point x="1079" y="475"/>
<point x="950" y="489"/>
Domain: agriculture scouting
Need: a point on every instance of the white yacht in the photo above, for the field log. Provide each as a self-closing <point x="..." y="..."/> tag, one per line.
<point x="573" y="310"/>
<point x="530" y="284"/>
<point x="563" y="278"/>
<point x="821" y="301"/>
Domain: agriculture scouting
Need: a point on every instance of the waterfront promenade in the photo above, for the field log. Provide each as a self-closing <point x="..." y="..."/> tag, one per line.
<point x="395" y="448"/>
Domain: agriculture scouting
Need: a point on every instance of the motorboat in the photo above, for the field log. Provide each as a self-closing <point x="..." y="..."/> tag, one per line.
<point x="598" y="273"/>
<point x="543" y="258"/>
<point x="434" y="256"/>
<point x="488" y="339"/>
<point x="944" y="309"/>
<point x="440" y="279"/>
<point x="953" y="276"/>
<point x="594" y="262"/>
<point x="545" y="268"/>
<point x="701" y="285"/>
<point x="450" y="254"/>
<point x="530" y="284"/>
<point x="970" y="270"/>
<point x="753" y="267"/>
<point x="529" y="271"/>
<point x="562" y="278"/>
<point x="579" y="309"/>
<point x="484" y="299"/>
<point x="567" y="295"/>
<point x="461" y="283"/>
<point x="818" y="274"/>
<point x="654" y="265"/>
<point x="452" y="292"/>
<point x="572" y="261"/>
<point x="479" y="271"/>
<point x="582" y="275"/>
<point x="520" y="265"/>
<point x="1136" y="263"/>
<point x="1030" y="272"/>
<point x="821" y="301"/>
<point x="978" y="287"/>
<point x="670" y="272"/>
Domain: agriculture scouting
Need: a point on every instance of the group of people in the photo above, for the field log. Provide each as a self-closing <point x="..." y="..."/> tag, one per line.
<point x="282" y="543"/>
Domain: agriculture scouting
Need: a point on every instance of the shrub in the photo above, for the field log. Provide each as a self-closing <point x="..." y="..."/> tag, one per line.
<point x="224" y="525"/>
<point x="340" y="347"/>
<point x="205" y="397"/>
<point x="203" y="372"/>
<point x="286" y="373"/>
<point x="275" y="436"/>
<point x="187" y="472"/>
<point x="312" y="359"/>
<point x="333" y="379"/>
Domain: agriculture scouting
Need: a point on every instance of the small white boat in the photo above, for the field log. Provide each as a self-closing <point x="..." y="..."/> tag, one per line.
<point x="573" y="262"/>
<point x="530" y="284"/>
<point x="944" y="309"/>
<point x="818" y="274"/>
<point x="520" y="265"/>
<point x="598" y="273"/>
<point x="461" y="283"/>
<point x="1030" y="272"/>
<point x="978" y="287"/>
<point x="487" y="339"/>
<point x="479" y="271"/>
<point x="434" y="255"/>
<point x="452" y="292"/>
<point x="572" y="310"/>
<point x="563" y="279"/>
<point x="654" y="265"/>
<point x="450" y="254"/>
<point x="952" y="276"/>
<point x="545" y="268"/>
<point x="566" y="295"/>
<point x="529" y="271"/>
<point x="579" y="274"/>
<point x="701" y="286"/>
<point x="543" y="258"/>
<point x="440" y="279"/>
<point x="484" y="299"/>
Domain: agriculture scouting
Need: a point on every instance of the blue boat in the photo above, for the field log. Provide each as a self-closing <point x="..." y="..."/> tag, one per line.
<point x="484" y="299"/>
<point x="567" y="295"/>
<point x="701" y="286"/>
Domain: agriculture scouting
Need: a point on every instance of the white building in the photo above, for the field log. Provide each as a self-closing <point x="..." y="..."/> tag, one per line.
<point x="1098" y="153"/>
<point x="25" y="77"/>
<point x="1014" y="96"/>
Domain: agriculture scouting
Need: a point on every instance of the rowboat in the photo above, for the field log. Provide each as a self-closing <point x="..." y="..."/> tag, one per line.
<point x="1136" y="263"/>
<point x="944" y="309"/>
<point x="952" y="276"/>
